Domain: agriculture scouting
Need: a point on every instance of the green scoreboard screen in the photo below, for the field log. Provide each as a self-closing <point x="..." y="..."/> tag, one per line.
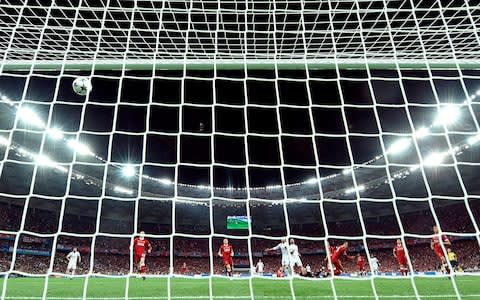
<point x="238" y="222"/>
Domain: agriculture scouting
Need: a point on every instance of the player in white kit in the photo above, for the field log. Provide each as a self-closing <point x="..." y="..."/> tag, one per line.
<point x="259" y="268"/>
<point x="283" y="246"/>
<point x="294" y="255"/>
<point x="73" y="258"/>
<point x="374" y="265"/>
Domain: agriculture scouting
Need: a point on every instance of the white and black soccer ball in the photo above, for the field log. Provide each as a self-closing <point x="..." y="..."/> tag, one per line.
<point x="82" y="86"/>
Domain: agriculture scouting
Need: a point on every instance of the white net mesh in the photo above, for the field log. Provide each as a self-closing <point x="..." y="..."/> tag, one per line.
<point x="321" y="121"/>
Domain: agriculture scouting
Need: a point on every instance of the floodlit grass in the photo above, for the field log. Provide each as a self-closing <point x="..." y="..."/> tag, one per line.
<point x="195" y="289"/>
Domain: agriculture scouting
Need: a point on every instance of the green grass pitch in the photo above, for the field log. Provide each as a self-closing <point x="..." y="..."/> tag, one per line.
<point x="197" y="289"/>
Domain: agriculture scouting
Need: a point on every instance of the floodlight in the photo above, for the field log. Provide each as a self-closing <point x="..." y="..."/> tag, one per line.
<point x="447" y="115"/>
<point x="79" y="147"/>
<point x="434" y="159"/>
<point x="165" y="181"/>
<point x="312" y="181"/>
<point x="347" y="171"/>
<point x="353" y="189"/>
<point x="30" y="117"/>
<point x="61" y="168"/>
<point x="128" y="171"/>
<point x="474" y="139"/>
<point x="4" y="98"/>
<point x="399" y="146"/>
<point x="421" y="133"/>
<point x="3" y="141"/>
<point x="122" y="190"/>
<point x="55" y="133"/>
<point x="44" y="161"/>
<point x="478" y="93"/>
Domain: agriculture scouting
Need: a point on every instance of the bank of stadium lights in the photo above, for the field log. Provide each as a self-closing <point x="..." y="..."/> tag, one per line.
<point x="122" y="190"/>
<point x="447" y="115"/>
<point x="7" y="100"/>
<point x="474" y="139"/>
<point x="272" y="187"/>
<point x="311" y="181"/>
<point x="129" y="171"/>
<point x="3" y="141"/>
<point x="45" y="161"/>
<point x="358" y="188"/>
<point x="55" y="133"/>
<point x="399" y="146"/>
<point x="421" y="133"/>
<point x="434" y="159"/>
<point x="79" y="147"/>
<point x="28" y="116"/>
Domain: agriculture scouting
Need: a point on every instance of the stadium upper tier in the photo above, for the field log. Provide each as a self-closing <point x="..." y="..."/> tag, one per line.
<point x="140" y="33"/>
<point x="374" y="183"/>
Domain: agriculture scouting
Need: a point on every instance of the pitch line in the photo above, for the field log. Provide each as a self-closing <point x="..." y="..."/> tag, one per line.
<point x="477" y="296"/>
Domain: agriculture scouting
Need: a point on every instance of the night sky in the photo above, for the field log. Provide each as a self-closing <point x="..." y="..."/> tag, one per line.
<point x="237" y="104"/>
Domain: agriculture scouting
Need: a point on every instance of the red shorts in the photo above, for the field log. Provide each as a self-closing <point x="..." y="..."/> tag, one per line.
<point x="228" y="261"/>
<point x="361" y="267"/>
<point x="138" y="256"/>
<point x="402" y="260"/>
<point x="439" y="252"/>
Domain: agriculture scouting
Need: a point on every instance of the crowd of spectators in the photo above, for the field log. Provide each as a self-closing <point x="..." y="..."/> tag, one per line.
<point x="198" y="255"/>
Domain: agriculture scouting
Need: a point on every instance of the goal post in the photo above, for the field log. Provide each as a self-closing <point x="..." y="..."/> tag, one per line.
<point x="324" y="122"/>
<point x="232" y="64"/>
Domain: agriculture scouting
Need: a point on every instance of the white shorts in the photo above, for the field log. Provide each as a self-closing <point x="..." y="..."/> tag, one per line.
<point x="285" y="261"/>
<point x="72" y="265"/>
<point x="296" y="261"/>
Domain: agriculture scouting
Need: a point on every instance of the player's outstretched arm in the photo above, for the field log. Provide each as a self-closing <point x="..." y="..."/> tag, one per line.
<point x="220" y="252"/>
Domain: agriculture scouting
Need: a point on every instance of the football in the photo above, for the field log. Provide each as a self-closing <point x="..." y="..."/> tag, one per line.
<point x="82" y="86"/>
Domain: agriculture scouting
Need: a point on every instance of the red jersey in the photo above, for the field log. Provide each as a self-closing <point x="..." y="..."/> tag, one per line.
<point x="183" y="269"/>
<point x="360" y="261"/>
<point x="332" y="249"/>
<point x="226" y="251"/>
<point x="436" y="242"/>
<point x="339" y="251"/>
<point x="140" y="245"/>
<point x="399" y="251"/>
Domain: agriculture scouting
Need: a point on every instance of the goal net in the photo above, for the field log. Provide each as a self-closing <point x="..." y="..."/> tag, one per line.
<point x="318" y="122"/>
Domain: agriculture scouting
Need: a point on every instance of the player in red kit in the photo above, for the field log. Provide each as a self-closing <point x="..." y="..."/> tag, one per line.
<point x="399" y="254"/>
<point x="141" y="247"/>
<point x="436" y="246"/>
<point x="335" y="258"/>
<point x="361" y="264"/>
<point x="226" y="251"/>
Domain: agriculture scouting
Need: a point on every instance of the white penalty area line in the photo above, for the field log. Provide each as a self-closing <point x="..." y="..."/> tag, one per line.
<point x="477" y="296"/>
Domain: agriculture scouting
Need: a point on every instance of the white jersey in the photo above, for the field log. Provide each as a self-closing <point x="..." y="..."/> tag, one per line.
<point x="73" y="258"/>
<point x="260" y="267"/>
<point x="294" y="255"/>
<point x="374" y="263"/>
<point x="308" y="269"/>
<point x="285" y="255"/>
<point x="294" y="250"/>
